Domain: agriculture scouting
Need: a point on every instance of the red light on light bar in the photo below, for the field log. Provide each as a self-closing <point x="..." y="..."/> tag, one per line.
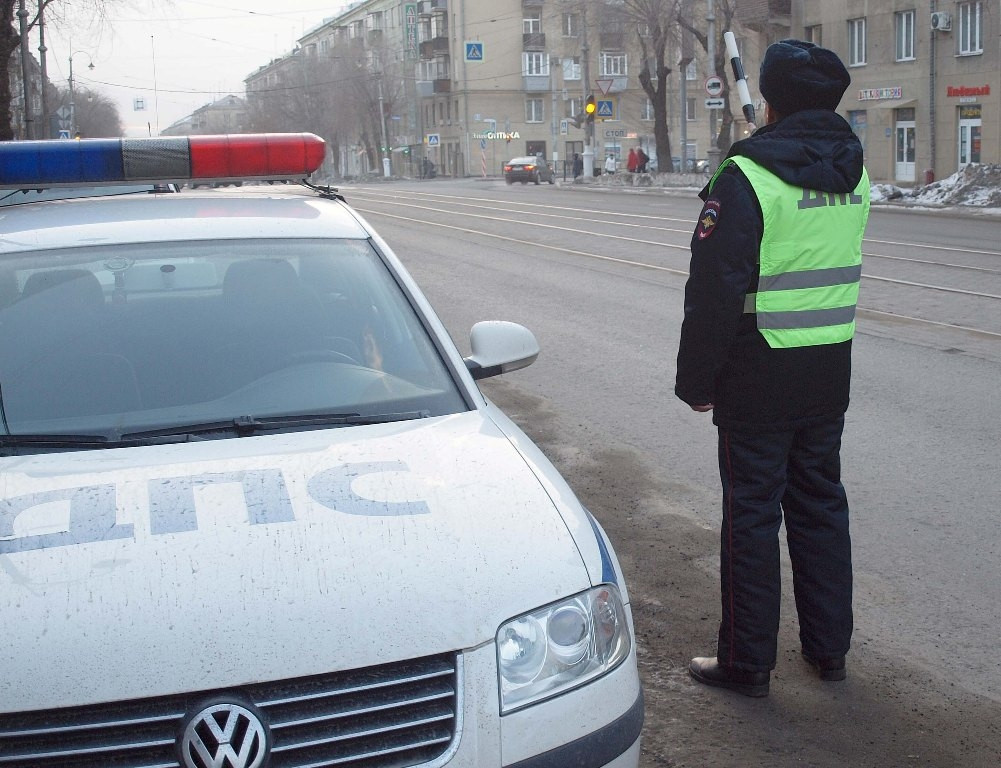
<point x="255" y="154"/>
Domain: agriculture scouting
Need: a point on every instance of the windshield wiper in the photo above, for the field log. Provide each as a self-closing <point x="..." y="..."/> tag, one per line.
<point x="250" y="425"/>
<point x="243" y="426"/>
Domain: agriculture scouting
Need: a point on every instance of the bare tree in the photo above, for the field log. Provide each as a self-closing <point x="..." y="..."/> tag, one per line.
<point x="97" y="116"/>
<point x="725" y="11"/>
<point x="10" y="39"/>
<point x="654" y="22"/>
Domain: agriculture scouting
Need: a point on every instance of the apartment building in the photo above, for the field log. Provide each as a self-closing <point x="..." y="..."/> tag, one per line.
<point x="470" y="84"/>
<point x="507" y="78"/>
<point x="926" y="78"/>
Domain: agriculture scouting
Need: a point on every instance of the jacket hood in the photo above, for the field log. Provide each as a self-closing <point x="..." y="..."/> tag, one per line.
<point x="814" y="149"/>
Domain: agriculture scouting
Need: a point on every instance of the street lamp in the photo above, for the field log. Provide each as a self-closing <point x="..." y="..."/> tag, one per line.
<point x="72" y="104"/>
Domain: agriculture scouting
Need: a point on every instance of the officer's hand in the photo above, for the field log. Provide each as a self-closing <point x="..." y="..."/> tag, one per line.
<point x="703" y="408"/>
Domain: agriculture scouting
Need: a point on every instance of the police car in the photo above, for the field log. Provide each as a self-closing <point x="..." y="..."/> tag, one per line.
<point x="254" y="510"/>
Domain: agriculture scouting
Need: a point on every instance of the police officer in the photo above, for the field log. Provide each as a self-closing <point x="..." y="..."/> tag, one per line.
<point x="766" y="346"/>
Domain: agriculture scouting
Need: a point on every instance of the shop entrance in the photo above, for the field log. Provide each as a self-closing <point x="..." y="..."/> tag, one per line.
<point x="969" y="135"/>
<point x="905" y="138"/>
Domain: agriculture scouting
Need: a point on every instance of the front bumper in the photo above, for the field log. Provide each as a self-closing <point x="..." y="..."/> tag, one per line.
<point x="615" y="745"/>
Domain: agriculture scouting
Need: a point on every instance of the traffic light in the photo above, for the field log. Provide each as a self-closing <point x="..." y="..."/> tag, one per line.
<point x="590" y="107"/>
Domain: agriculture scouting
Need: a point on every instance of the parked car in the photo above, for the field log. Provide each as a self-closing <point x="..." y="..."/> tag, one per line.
<point x="526" y="169"/>
<point x="255" y="510"/>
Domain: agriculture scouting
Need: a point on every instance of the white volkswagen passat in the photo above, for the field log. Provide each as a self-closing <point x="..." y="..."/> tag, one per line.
<point x="254" y="510"/>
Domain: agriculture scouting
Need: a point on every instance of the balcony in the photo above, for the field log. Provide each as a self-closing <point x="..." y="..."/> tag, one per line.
<point x="535" y="83"/>
<point x="436" y="46"/>
<point x="533" y="41"/>
<point x="442" y="85"/>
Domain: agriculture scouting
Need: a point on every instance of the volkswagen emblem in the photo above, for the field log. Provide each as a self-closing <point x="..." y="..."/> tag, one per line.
<point x="224" y="736"/>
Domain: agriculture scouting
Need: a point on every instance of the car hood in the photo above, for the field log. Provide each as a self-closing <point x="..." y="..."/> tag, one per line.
<point x="242" y="560"/>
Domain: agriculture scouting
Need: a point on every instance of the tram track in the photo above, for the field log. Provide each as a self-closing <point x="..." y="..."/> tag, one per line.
<point x="481" y="216"/>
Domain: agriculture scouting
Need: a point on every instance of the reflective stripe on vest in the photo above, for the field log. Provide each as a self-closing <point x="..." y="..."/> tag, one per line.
<point x="810" y="259"/>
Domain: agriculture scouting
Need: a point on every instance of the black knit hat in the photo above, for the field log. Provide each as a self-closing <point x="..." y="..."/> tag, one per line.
<point x="797" y="75"/>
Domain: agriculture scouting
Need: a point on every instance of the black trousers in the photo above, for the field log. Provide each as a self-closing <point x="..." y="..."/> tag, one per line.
<point x="764" y="475"/>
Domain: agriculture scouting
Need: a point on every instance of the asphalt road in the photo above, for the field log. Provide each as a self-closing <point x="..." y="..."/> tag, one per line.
<point x="599" y="275"/>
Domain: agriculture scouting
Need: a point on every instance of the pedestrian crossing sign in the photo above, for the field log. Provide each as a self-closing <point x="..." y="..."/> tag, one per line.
<point x="474" y="51"/>
<point x="605" y="108"/>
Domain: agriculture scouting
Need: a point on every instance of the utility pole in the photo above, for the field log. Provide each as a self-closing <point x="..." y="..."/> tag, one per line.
<point x="22" y="16"/>
<point x="712" y="154"/>
<point x="382" y="125"/>
<point x="46" y="130"/>
<point x="586" y="72"/>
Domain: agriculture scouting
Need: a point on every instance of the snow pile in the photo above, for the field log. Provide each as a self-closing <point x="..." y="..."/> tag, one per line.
<point x="975" y="185"/>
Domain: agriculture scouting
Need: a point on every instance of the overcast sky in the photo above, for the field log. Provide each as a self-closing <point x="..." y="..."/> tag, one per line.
<point x="177" y="55"/>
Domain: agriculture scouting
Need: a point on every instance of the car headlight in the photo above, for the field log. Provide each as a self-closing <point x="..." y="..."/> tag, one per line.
<point x="566" y="644"/>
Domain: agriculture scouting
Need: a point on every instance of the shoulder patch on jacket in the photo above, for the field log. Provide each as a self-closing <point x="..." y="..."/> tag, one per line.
<point x="708" y="218"/>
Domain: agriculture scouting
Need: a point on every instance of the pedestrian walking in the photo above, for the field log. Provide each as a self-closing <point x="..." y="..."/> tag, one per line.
<point x="578" y="165"/>
<point x="610" y="164"/>
<point x="642" y="158"/>
<point x="632" y="161"/>
<point x="766" y="346"/>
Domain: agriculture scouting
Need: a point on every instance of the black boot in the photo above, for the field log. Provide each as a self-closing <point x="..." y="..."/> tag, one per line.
<point x="828" y="669"/>
<point x="711" y="672"/>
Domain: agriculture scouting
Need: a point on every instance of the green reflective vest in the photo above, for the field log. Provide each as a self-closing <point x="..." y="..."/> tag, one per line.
<point x="810" y="259"/>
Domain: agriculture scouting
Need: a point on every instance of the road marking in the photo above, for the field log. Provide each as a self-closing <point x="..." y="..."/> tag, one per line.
<point x="598" y="256"/>
<point x="521" y="222"/>
<point x="669" y="270"/>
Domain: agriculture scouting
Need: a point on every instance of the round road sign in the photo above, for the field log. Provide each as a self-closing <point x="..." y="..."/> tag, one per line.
<point x="714" y="85"/>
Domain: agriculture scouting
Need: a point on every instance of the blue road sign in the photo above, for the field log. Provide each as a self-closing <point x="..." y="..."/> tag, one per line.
<point x="605" y="108"/>
<point x="474" y="51"/>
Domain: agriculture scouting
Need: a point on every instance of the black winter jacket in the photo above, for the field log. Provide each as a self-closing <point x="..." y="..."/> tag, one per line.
<point x="722" y="358"/>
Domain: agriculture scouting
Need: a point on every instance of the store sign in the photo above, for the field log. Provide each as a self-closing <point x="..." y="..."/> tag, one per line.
<point x="959" y="91"/>
<point x="875" y="94"/>
<point x="410" y="13"/>
<point x="498" y="135"/>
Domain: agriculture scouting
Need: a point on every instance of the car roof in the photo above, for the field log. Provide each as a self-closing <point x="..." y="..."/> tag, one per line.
<point x="214" y="214"/>
<point x="525" y="158"/>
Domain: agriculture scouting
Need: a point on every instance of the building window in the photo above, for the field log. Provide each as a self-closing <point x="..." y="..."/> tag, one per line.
<point x="613" y="64"/>
<point x="532" y="23"/>
<point x="971" y="29"/>
<point x="856" y="42"/>
<point x="814" y="34"/>
<point x="647" y="112"/>
<point x="573" y="106"/>
<point x="534" y="63"/>
<point x="533" y="110"/>
<point x="691" y="71"/>
<point x="571" y="25"/>
<point x="904" y="22"/>
<point x="571" y="67"/>
<point x="690" y="109"/>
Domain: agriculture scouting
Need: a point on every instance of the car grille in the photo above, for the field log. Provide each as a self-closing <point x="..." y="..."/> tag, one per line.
<point x="393" y="715"/>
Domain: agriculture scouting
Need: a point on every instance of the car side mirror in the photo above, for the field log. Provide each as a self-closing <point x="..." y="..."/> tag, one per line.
<point x="498" y="347"/>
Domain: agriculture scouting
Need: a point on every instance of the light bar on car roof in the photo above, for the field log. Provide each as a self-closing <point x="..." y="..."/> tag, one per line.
<point x="51" y="163"/>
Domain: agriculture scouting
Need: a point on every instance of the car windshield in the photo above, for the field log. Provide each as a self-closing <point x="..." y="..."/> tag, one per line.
<point x="112" y="341"/>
